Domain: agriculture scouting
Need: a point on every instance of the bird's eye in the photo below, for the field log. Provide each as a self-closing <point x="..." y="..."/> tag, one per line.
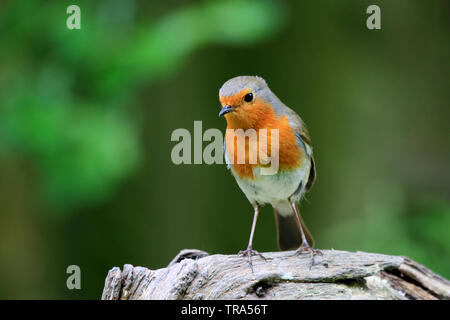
<point x="248" y="97"/>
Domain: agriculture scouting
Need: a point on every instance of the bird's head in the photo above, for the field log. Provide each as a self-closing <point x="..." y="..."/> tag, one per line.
<point x="246" y="100"/>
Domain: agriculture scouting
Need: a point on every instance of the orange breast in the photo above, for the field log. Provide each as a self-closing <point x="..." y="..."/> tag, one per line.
<point x="261" y="116"/>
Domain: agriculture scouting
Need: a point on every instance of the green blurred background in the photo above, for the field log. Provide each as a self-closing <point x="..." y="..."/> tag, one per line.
<point x="86" y="117"/>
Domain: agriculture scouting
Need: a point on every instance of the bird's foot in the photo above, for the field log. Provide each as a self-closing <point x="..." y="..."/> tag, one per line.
<point x="249" y="253"/>
<point x="305" y="248"/>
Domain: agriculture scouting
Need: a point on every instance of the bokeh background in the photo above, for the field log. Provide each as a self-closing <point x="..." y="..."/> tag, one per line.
<point x="86" y="117"/>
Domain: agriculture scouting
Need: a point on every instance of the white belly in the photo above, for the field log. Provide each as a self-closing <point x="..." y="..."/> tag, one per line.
<point x="274" y="189"/>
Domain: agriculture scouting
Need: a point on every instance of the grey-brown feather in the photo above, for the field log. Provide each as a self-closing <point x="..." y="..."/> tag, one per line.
<point x="288" y="233"/>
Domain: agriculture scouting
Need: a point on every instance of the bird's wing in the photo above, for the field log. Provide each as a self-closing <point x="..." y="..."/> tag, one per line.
<point x="303" y="139"/>
<point x="298" y="125"/>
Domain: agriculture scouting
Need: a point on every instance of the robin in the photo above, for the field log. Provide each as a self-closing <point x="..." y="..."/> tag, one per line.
<point x="248" y="103"/>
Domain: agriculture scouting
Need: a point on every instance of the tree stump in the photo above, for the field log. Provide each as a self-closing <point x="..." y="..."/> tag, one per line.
<point x="196" y="275"/>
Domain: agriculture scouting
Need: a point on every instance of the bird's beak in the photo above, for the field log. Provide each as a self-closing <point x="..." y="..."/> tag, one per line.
<point x="225" y="109"/>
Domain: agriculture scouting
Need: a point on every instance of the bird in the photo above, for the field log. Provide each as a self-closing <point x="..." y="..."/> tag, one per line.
<point x="248" y="103"/>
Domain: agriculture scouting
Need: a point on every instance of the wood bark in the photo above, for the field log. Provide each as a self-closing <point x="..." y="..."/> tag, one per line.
<point x="194" y="274"/>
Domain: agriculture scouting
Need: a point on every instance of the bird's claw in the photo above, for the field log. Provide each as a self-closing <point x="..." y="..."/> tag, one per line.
<point x="249" y="253"/>
<point x="307" y="249"/>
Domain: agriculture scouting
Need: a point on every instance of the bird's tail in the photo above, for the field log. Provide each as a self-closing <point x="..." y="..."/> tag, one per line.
<point x="288" y="231"/>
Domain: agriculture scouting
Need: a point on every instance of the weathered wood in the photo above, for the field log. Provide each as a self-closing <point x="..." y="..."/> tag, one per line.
<point x="193" y="274"/>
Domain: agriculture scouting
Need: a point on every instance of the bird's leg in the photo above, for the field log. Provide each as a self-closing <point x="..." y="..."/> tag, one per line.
<point x="250" y="252"/>
<point x="305" y="246"/>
